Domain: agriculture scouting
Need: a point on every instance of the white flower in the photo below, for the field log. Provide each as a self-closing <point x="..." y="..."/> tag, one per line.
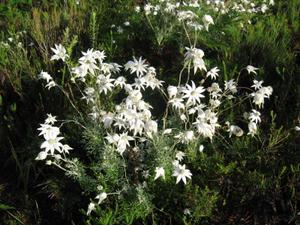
<point x="88" y="60"/>
<point x="48" y="131"/>
<point x="45" y="76"/>
<point x="193" y="93"/>
<point x="255" y="116"/>
<point x="257" y="84"/>
<point x="80" y="72"/>
<point x="159" y="172"/>
<point x="186" y="15"/>
<point x="50" y="85"/>
<point x="187" y="212"/>
<point x="137" y="9"/>
<point x="297" y="128"/>
<point x="207" y="20"/>
<point x="251" y="69"/>
<point x="101" y="197"/>
<point x="181" y="173"/>
<point x="201" y="148"/>
<point x="183" y="117"/>
<point x="172" y="91"/>
<point x="192" y="53"/>
<point x="114" y="67"/>
<point x="236" y="130"/>
<point x="147" y="8"/>
<point x="52" y="144"/>
<point x="66" y="148"/>
<point x="121" y="141"/>
<point x="258" y="99"/>
<point x="213" y="73"/>
<point x="59" y="53"/>
<point x="42" y="155"/>
<point x="177" y="103"/>
<point x="252" y="128"/>
<point x="107" y="119"/>
<point x="139" y="83"/>
<point x="151" y="127"/>
<point x="196" y="56"/>
<point x="199" y="64"/>
<point x="214" y="103"/>
<point x="264" y="8"/>
<point x="150" y="79"/>
<point x="50" y="119"/>
<point x="89" y="91"/>
<point x="185" y="136"/>
<point x="260" y="95"/>
<point x="231" y="86"/>
<point x="92" y="207"/>
<point x="179" y="155"/>
<point x="104" y="83"/>
<point x="137" y="66"/>
<point x="167" y="131"/>
<point x="205" y="129"/>
<point x="267" y="91"/>
<point x="120" y="81"/>
<point x="89" y="57"/>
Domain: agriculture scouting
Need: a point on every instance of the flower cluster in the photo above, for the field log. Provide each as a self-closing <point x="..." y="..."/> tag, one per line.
<point x="129" y="123"/>
<point x="52" y="145"/>
<point x="187" y="11"/>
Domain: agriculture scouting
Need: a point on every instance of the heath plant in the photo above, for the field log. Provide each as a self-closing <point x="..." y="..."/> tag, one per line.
<point x="134" y="163"/>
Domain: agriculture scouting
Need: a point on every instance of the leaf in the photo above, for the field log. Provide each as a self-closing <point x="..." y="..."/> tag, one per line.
<point x="4" y="207"/>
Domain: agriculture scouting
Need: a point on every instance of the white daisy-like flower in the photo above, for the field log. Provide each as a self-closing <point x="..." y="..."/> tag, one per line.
<point x="59" y="53"/>
<point x="52" y="144"/>
<point x="45" y="76"/>
<point x="235" y="130"/>
<point x="42" y="155"/>
<point x="252" y="127"/>
<point x="137" y="66"/>
<point x="204" y="128"/>
<point x="177" y="103"/>
<point x="91" y="207"/>
<point x="48" y="131"/>
<point x="213" y="73"/>
<point x="179" y="155"/>
<point x="257" y="84"/>
<point x="50" y="119"/>
<point x="181" y="173"/>
<point x="107" y="119"/>
<point x="201" y="148"/>
<point x="167" y="131"/>
<point x="195" y="56"/>
<point x="260" y="95"/>
<point x="251" y="69"/>
<point x="104" y="83"/>
<point x="207" y="20"/>
<point x="120" y="81"/>
<point x="193" y="93"/>
<point x="66" y="149"/>
<point x="159" y="172"/>
<point x="89" y="57"/>
<point x="231" y="86"/>
<point x="101" y="197"/>
<point x="254" y="116"/>
<point x="50" y="85"/>
<point x="120" y="140"/>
